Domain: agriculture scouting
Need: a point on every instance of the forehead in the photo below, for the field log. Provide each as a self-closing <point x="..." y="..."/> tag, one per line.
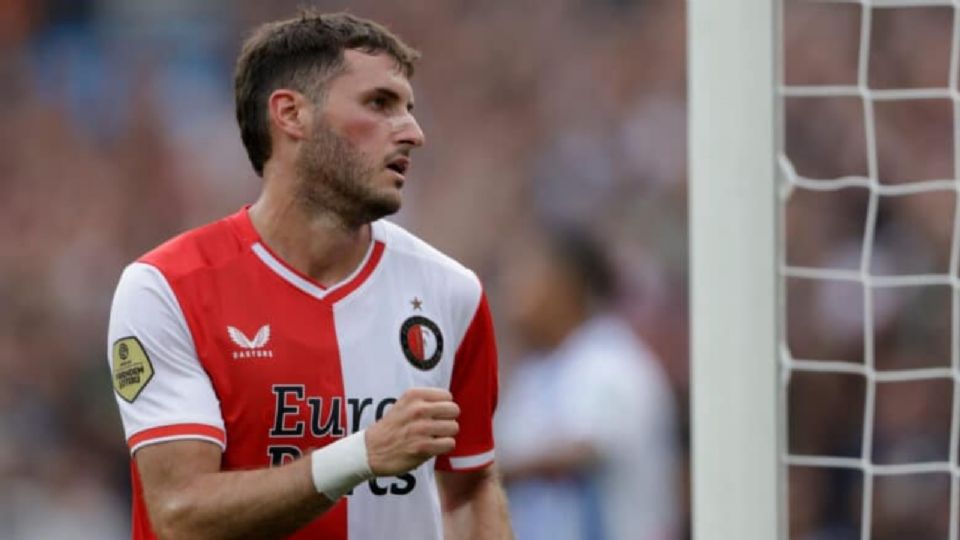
<point x="363" y="71"/>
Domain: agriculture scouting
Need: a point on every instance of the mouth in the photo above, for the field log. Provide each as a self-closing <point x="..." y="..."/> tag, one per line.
<point x="399" y="165"/>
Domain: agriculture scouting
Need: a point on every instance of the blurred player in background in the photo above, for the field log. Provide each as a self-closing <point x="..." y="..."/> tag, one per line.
<point x="303" y="368"/>
<point x="586" y="425"/>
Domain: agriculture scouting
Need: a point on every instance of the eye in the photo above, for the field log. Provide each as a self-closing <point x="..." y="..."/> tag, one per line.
<point x="378" y="103"/>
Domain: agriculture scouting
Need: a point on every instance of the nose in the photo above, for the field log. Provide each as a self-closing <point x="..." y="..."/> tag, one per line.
<point x="409" y="132"/>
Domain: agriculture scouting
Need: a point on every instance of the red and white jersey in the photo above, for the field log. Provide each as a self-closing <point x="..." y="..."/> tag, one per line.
<point x="213" y="337"/>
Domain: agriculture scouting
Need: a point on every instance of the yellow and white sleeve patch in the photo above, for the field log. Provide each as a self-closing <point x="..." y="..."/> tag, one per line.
<point x="132" y="369"/>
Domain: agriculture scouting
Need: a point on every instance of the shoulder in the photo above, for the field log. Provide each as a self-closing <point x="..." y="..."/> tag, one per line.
<point x="607" y="349"/>
<point x="452" y="293"/>
<point x="207" y="246"/>
<point x="410" y="253"/>
<point x="146" y="310"/>
<point x="607" y="333"/>
<point x="141" y="285"/>
<point x="608" y="367"/>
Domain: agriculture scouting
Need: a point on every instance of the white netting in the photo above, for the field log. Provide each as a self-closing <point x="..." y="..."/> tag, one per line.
<point x="872" y="281"/>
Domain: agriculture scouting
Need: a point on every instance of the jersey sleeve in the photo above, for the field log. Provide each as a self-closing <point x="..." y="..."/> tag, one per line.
<point x="474" y="388"/>
<point x="161" y="388"/>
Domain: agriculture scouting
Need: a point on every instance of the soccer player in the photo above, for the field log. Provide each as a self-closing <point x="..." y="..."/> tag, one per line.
<point x="303" y="368"/>
<point x="586" y="434"/>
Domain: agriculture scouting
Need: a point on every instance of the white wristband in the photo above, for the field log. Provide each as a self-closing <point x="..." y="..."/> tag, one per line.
<point x="340" y="466"/>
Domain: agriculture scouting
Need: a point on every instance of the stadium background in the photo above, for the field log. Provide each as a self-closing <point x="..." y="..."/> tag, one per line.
<point x="117" y="132"/>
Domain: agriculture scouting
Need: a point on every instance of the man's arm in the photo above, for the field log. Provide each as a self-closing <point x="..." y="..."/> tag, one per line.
<point x="188" y="497"/>
<point x="474" y="505"/>
<point x="561" y="459"/>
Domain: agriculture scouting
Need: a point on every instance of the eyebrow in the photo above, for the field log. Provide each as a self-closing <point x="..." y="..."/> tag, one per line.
<point x="393" y="95"/>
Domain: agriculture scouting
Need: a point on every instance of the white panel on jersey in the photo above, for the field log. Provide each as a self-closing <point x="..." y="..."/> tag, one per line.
<point x="412" y="280"/>
<point x="470" y="462"/>
<point x="179" y="391"/>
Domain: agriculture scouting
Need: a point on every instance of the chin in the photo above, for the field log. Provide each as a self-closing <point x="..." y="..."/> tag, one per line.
<point x="383" y="206"/>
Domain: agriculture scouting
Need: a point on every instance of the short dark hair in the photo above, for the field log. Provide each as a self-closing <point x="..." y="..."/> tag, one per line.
<point x="302" y="54"/>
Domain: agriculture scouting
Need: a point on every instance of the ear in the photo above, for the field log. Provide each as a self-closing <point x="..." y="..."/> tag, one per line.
<point x="290" y="112"/>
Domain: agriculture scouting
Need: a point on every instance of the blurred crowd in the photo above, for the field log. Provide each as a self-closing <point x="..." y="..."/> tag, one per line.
<point x="118" y="132"/>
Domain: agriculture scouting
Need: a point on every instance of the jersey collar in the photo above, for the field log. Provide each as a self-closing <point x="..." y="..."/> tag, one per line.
<point x="278" y="266"/>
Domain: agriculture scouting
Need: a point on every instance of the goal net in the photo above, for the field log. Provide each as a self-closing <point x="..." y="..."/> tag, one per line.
<point x="869" y="262"/>
<point x="837" y="153"/>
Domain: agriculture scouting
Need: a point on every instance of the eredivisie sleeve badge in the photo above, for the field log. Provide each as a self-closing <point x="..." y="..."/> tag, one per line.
<point x="422" y="342"/>
<point x="132" y="369"/>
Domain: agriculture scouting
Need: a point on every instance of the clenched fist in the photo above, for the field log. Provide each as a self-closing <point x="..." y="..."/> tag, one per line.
<point x="420" y="425"/>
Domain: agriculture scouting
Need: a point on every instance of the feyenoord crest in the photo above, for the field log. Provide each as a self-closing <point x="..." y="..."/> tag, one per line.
<point x="422" y="342"/>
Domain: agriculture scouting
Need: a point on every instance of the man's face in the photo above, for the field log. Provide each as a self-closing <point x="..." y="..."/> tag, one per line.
<point x="356" y="156"/>
<point x="536" y="291"/>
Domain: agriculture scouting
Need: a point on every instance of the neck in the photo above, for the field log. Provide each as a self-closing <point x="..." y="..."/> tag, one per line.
<point x="315" y="242"/>
<point x="563" y="327"/>
<point x="566" y="316"/>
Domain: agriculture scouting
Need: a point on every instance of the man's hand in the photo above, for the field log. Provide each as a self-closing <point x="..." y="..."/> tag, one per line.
<point x="419" y="426"/>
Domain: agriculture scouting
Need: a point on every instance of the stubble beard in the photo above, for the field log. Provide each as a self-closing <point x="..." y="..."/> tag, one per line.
<point x="334" y="179"/>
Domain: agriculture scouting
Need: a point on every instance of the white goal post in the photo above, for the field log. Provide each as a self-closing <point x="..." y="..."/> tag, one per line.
<point x="733" y="140"/>
<point x="741" y="179"/>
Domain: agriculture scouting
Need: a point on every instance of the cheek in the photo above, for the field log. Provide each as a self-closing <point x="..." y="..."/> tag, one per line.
<point x="363" y="133"/>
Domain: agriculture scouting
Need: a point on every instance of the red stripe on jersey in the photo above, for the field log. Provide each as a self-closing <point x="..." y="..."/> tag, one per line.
<point x="323" y="376"/>
<point x="474" y="388"/>
<point x="178" y="430"/>
<point x="415" y="341"/>
<point x="368" y="268"/>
